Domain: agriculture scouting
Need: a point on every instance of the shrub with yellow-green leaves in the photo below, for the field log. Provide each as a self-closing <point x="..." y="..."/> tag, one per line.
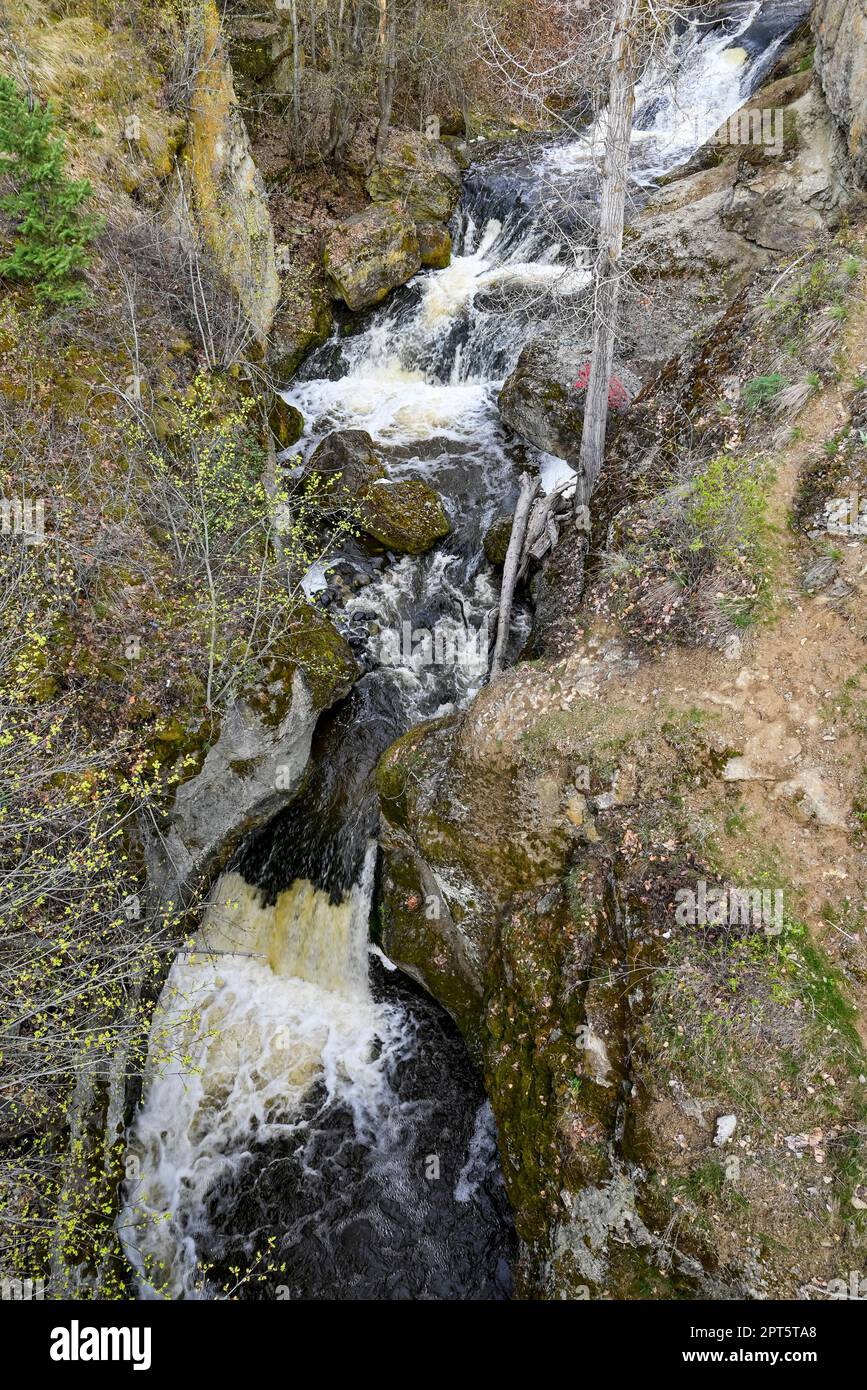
<point x="194" y="543"/>
<point x="242" y="534"/>
<point x="80" y="954"/>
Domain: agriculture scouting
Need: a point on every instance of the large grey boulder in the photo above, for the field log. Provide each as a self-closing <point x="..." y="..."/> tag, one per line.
<point x="247" y="776"/>
<point x="404" y="515"/>
<point x="346" y="463"/>
<point x="371" y="253"/>
<point x="542" y="400"/>
<point x="254" y="767"/>
<point x="420" y="173"/>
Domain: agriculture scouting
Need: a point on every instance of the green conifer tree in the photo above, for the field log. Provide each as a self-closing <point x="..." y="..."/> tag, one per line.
<point x="51" y="230"/>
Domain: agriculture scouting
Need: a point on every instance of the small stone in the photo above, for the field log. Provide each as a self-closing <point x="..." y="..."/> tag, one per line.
<point x="820" y="574"/>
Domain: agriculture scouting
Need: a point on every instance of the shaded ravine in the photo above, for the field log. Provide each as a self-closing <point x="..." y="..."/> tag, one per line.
<point x="310" y="1113"/>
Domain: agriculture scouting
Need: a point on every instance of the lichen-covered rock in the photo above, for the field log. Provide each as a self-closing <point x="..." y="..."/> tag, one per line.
<point x="406" y="516"/>
<point x="418" y="172"/>
<point x="255" y="41"/>
<point x="434" y="244"/>
<point x="536" y="852"/>
<point x="346" y="463"/>
<point x="257" y="762"/>
<point x="840" y="27"/>
<point x="543" y="399"/>
<point x="303" y="321"/>
<point x="226" y="192"/>
<point x="371" y="253"/>
<point x="285" y="422"/>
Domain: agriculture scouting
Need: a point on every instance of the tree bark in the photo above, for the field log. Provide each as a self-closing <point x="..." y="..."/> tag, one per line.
<point x="510" y="570"/>
<point x="607" y="272"/>
<point x="387" y="38"/>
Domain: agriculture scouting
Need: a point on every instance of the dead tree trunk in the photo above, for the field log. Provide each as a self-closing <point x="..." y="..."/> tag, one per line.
<point x="607" y="273"/>
<point x="296" y="76"/>
<point x="511" y="569"/>
<point x="387" y="39"/>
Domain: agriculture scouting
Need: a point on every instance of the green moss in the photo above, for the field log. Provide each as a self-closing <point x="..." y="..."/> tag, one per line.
<point x="397" y="772"/>
<point x="406" y="516"/>
<point x="314" y="644"/>
<point x="413" y="932"/>
<point x="496" y="541"/>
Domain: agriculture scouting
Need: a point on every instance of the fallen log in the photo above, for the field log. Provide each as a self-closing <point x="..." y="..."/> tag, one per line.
<point x="535" y="532"/>
<point x="511" y="569"/>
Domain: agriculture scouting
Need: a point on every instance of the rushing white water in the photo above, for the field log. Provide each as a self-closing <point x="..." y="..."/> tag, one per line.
<point x="270" y="1000"/>
<point x="682" y="99"/>
<point x="482" y="1148"/>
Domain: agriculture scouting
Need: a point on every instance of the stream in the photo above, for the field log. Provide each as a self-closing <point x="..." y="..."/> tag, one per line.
<point x="326" y="1129"/>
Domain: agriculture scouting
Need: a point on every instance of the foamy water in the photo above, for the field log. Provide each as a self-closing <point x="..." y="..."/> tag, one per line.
<point x="270" y="1001"/>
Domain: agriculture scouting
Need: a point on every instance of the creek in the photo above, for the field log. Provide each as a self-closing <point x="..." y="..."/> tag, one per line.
<point x="324" y="1102"/>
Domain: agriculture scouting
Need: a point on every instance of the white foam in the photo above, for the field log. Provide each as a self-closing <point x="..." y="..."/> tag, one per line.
<point x="271" y="1001"/>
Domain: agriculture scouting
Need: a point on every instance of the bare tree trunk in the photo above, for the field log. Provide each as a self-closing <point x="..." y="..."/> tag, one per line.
<point x="337" y="46"/>
<point x="296" y="76"/>
<point x="621" y="103"/>
<point x="387" y="62"/>
<point x="510" y="570"/>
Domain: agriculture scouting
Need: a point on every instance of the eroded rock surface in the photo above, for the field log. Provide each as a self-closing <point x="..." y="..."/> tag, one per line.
<point x="371" y="253"/>
<point x="421" y="174"/>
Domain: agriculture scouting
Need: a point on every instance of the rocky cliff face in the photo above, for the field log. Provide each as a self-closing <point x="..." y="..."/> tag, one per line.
<point x="535" y="854"/>
<point x="225" y="187"/>
<point x="841" y="62"/>
<point x="678" y="1091"/>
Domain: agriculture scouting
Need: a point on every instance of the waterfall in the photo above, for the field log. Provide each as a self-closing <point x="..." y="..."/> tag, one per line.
<point x="268" y="1001"/>
<point x="295" y="1084"/>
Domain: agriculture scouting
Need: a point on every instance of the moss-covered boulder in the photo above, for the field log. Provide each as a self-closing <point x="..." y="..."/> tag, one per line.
<point x="347" y="475"/>
<point x="405" y="516"/>
<point x="265" y="734"/>
<point x="434" y="244"/>
<point x="418" y="172"/>
<point x="371" y="253"/>
<point x="303" y="321"/>
<point x="496" y="541"/>
<point x="254" y="43"/>
<point x="285" y="422"/>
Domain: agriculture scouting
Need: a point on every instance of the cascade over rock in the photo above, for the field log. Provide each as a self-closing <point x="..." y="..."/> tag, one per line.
<point x="535" y="831"/>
